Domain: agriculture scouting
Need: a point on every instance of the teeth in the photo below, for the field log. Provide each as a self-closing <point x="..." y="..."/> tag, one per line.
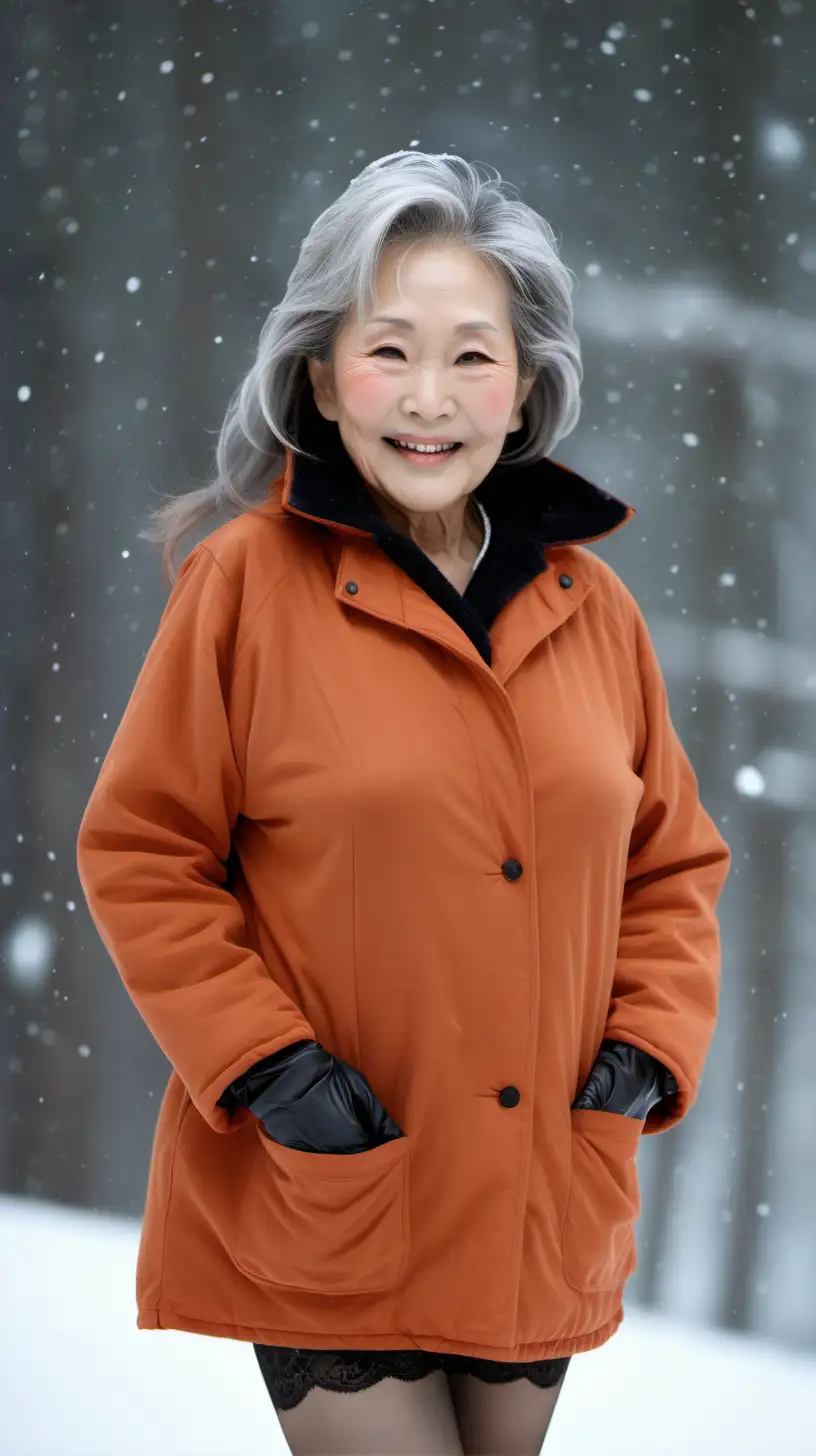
<point x="423" y="449"/>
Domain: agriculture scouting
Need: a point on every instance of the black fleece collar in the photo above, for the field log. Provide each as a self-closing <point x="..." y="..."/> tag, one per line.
<point x="529" y="506"/>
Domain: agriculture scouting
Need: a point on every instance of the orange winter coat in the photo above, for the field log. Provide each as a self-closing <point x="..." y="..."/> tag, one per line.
<point x="455" y="839"/>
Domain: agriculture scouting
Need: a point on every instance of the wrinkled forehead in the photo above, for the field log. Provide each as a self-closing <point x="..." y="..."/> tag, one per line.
<point x="434" y="286"/>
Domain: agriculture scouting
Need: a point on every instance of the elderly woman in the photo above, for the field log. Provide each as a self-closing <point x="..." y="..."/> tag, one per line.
<point x="398" y="853"/>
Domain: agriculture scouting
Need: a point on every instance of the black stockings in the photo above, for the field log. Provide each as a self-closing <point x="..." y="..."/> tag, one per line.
<point x="439" y="1415"/>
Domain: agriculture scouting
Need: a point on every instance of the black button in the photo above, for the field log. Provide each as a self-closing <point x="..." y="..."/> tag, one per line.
<point x="352" y="588"/>
<point x="509" y="1097"/>
<point x="512" y="870"/>
<point x="564" y="580"/>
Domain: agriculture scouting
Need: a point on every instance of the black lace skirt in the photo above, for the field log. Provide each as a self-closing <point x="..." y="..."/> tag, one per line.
<point x="290" y="1374"/>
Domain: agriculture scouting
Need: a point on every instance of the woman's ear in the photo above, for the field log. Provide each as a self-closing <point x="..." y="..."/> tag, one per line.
<point x="522" y="390"/>
<point x="321" y="374"/>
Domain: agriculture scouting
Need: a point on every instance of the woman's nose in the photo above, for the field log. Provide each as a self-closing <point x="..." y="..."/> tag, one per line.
<point x="431" y="392"/>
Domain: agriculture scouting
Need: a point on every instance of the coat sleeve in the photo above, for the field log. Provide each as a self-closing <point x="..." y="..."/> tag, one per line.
<point x="666" y="981"/>
<point x="153" y="846"/>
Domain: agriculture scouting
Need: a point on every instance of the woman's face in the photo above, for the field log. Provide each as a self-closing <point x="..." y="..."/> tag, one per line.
<point x="428" y="377"/>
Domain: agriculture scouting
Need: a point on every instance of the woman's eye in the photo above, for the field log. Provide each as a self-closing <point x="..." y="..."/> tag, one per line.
<point x="473" y="353"/>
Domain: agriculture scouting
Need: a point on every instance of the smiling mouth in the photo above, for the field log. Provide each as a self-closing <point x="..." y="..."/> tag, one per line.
<point x="404" y="450"/>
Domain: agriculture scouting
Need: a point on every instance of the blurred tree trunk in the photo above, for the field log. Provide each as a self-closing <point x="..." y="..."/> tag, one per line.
<point x="48" y="1084"/>
<point x="746" y="507"/>
<point x="740" y="507"/>
<point x="749" y="505"/>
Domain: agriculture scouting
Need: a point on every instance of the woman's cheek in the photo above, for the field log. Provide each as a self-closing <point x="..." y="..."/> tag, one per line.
<point x="368" y="393"/>
<point x="495" y="401"/>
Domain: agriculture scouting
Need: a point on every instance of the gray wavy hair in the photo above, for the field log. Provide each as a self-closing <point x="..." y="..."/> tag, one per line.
<point x="407" y="196"/>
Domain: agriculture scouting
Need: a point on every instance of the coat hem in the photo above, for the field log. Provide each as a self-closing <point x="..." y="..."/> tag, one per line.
<point x="162" y="1318"/>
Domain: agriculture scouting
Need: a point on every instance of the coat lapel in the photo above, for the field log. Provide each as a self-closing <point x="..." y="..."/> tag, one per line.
<point x="533" y="510"/>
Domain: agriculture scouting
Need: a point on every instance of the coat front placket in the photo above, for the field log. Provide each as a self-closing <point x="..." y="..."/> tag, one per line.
<point x="472" y="1107"/>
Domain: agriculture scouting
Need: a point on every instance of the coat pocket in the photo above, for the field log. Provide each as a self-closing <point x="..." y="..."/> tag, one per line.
<point x="331" y="1223"/>
<point x="598" y="1246"/>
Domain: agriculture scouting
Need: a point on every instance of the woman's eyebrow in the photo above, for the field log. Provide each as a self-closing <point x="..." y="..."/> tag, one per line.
<point x="469" y="327"/>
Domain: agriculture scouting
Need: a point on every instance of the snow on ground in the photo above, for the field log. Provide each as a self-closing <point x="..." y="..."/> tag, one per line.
<point x="78" y="1378"/>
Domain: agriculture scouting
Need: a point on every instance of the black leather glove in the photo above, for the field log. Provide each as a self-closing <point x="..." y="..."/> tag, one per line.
<point x="308" y="1099"/>
<point x="627" y="1080"/>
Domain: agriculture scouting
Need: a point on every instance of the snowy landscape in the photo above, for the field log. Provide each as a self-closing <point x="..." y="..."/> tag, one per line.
<point x="79" y="1379"/>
